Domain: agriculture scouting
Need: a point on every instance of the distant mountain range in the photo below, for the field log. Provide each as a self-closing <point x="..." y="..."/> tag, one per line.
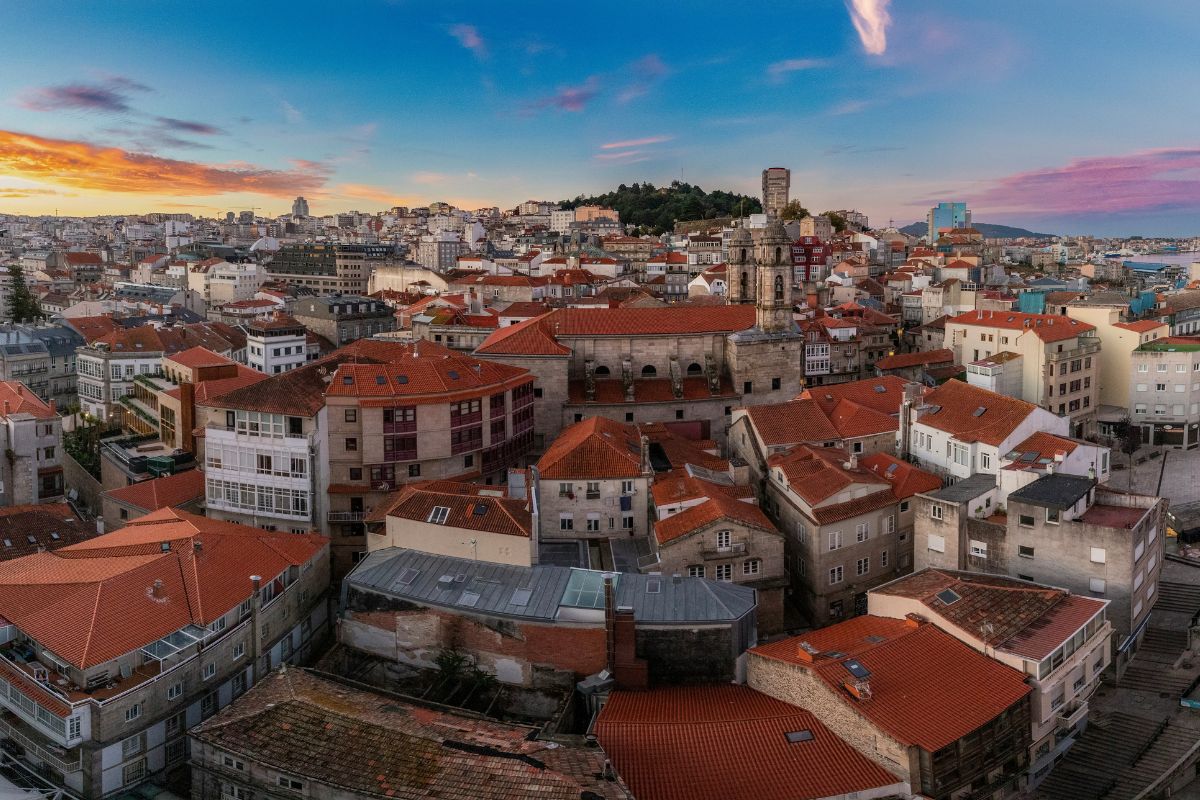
<point x="988" y="230"/>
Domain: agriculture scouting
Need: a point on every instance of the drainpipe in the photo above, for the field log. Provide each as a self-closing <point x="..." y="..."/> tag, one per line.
<point x="256" y="628"/>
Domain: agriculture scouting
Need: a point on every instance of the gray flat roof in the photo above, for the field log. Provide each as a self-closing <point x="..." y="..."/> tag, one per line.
<point x="539" y="592"/>
<point x="965" y="490"/>
<point x="1054" y="491"/>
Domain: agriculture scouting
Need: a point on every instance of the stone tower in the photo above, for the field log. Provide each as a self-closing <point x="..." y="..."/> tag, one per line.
<point x="774" y="282"/>
<point x="742" y="275"/>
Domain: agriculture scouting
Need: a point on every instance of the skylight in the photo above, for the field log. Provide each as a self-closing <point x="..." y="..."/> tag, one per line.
<point x="794" y="737"/>
<point x="949" y="596"/>
<point x="438" y="515"/>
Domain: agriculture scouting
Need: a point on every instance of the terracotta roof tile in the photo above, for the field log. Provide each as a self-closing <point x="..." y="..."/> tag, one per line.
<point x="468" y="508"/>
<point x="49" y="526"/>
<point x="168" y="491"/>
<point x="728" y="742"/>
<point x="884" y="394"/>
<point x="903" y="360"/>
<point x="375" y="745"/>
<point x="1047" y="327"/>
<point x="99" y="599"/>
<point x="905" y="479"/>
<point x="793" y="422"/>
<point x="19" y="399"/>
<point x="594" y="448"/>
<point x="927" y="688"/>
<point x="956" y="404"/>
<point x="716" y="507"/>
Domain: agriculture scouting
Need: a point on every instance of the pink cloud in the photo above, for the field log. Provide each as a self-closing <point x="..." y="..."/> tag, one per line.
<point x="569" y="98"/>
<point x="635" y="142"/>
<point x="645" y="73"/>
<point x="468" y="36"/>
<point x="629" y="156"/>
<point x="779" y="70"/>
<point x="1148" y="180"/>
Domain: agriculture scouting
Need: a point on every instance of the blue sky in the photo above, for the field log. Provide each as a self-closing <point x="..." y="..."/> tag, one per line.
<point x="1064" y="116"/>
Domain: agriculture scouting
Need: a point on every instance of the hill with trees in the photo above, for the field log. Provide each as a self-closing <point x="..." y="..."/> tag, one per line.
<point x="656" y="209"/>
<point x="989" y="231"/>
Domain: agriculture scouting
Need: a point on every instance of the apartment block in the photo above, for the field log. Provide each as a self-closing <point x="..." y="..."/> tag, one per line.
<point x="1163" y="376"/>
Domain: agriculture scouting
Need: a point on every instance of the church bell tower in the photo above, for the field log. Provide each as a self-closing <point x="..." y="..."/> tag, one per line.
<point x="773" y="299"/>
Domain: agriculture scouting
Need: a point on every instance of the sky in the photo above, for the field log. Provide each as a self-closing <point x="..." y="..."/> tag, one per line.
<point x="1064" y="117"/>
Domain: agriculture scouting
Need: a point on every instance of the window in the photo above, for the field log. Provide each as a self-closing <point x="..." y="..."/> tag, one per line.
<point x="1024" y="551"/>
<point x="835" y="539"/>
<point x="133" y="712"/>
<point x="695" y="571"/>
<point x="985" y="461"/>
<point x="1052" y="516"/>
<point x="239" y="650"/>
<point x="133" y="772"/>
<point x="75" y="727"/>
<point x="889" y="523"/>
<point x="566" y="490"/>
<point x="438" y="515"/>
<point x="290" y="784"/>
<point x="626" y="487"/>
<point x="835" y="576"/>
<point x="209" y="670"/>
<point x="351" y="444"/>
<point x="1025" y="520"/>
<point x="863" y="566"/>
<point x="1096" y="585"/>
<point x="593" y="523"/>
<point x="937" y="543"/>
<point x="566" y="522"/>
<point x="175" y="690"/>
<point x="229" y="762"/>
<point x="131" y="747"/>
<point x="935" y="511"/>
<point x="883" y="558"/>
<point x="627" y="523"/>
<point x="351" y="415"/>
<point x="176" y="751"/>
<point x="724" y="539"/>
<point x="903" y="506"/>
<point x="593" y="490"/>
<point x="775" y="383"/>
<point x="751" y="566"/>
<point x="724" y="572"/>
<point x="355" y="473"/>
<point x="978" y="548"/>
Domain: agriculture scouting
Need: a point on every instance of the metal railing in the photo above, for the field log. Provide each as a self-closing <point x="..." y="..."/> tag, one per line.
<point x="346" y="516"/>
<point x="734" y="549"/>
<point x="50" y="757"/>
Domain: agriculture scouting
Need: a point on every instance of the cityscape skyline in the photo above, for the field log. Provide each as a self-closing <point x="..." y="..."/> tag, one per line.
<point x="873" y="105"/>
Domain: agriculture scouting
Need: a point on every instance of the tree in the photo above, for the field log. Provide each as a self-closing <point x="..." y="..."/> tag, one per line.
<point x="1127" y="438"/>
<point x="793" y="210"/>
<point x="837" y="220"/>
<point x="22" y="305"/>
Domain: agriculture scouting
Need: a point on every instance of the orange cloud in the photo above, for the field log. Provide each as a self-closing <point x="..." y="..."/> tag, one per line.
<point x="110" y="169"/>
<point x="378" y="194"/>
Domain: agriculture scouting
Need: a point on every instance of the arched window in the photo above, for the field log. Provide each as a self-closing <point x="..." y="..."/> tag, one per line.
<point x="742" y="260"/>
<point x="779" y="288"/>
<point x="778" y="255"/>
<point x="602" y="372"/>
<point x="649" y="371"/>
<point x="745" y="284"/>
<point x="694" y="369"/>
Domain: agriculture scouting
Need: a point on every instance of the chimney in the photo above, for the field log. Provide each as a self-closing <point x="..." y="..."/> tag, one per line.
<point x="610" y="625"/>
<point x="256" y="626"/>
<point x="1050" y="468"/>
<point x="53" y="407"/>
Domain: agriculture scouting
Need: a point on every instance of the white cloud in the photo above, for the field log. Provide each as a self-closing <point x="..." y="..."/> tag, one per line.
<point x="871" y="20"/>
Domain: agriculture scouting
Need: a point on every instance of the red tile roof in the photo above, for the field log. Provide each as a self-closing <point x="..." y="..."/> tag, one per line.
<point x="956" y="403"/>
<point x="717" y="507"/>
<point x="884" y="394"/>
<point x="1045" y="445"/>
<point x="793" y="422"/>
<point x="26" y="529"/>
<point x="165" y="492"/>
<point x="94" y="601"/>
<point x="592" y="449"/>
<point x="928" y="689"/>
<point x="728" y="742"/>
<point x="82" y="259"/>
<point x="92" y="328"/>
<point x="903" y="360"/>
<point x="531" y="337"/>
<point x="853" y="420"/>
<point x="1047" y="327"/>
<point x="200" y="357"/>
<point x="17" y="398"/>
<point x="677" y="486"/>
<point x="423" y="372"/>
<point x="1141" y="325"/>
<point x="1023" y="618"/>
<point x="541" y="337"/>
<point x="469" y="508"/>
<point x="817" y="473"/>
<point x="906" y="479"/>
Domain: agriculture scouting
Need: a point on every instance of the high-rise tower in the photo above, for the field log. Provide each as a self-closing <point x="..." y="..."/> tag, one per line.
<point x="776" y="187"/>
